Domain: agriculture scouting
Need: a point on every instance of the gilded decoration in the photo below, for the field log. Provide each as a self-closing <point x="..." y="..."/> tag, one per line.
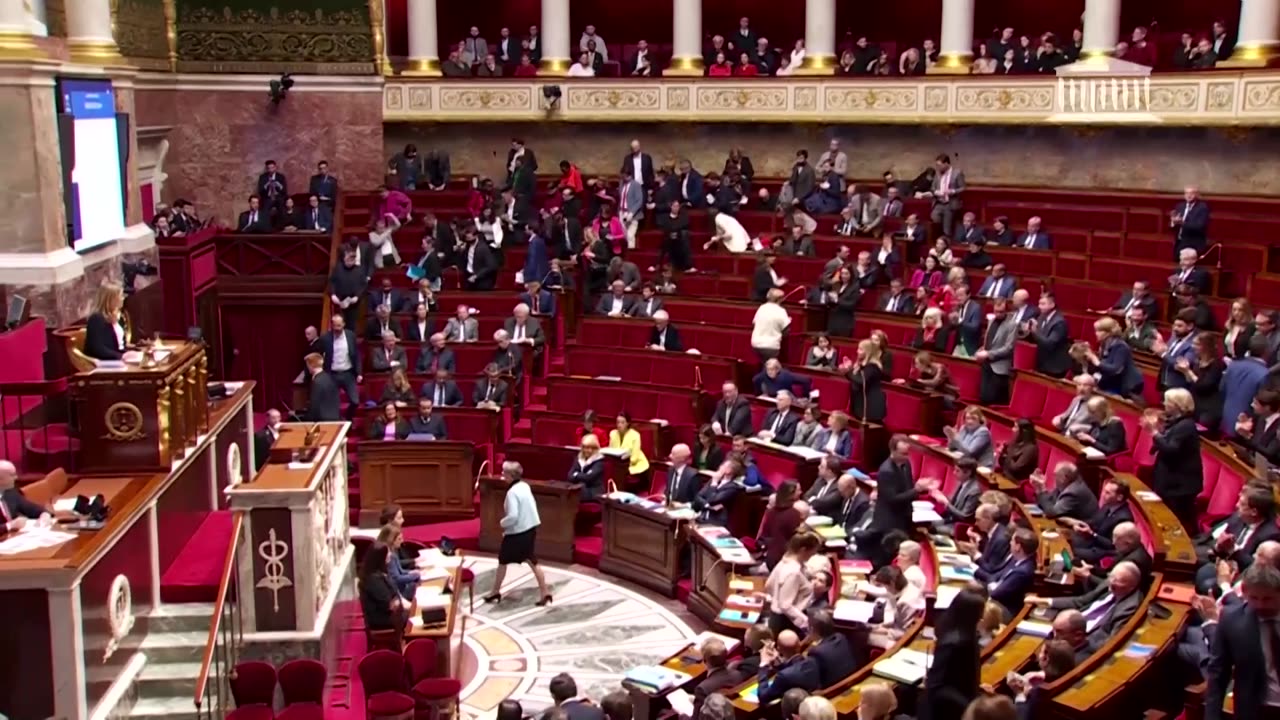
<point x="141" y="32"/>
<point x="329" y="36"/>
<point x="1250" y="98"/>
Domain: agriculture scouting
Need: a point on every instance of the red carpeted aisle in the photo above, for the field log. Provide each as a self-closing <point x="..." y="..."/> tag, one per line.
<point x="193" y="576"/>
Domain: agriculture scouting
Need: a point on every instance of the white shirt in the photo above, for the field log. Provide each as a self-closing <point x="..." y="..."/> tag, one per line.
<point x="616" y="305"/>
<point x="341" y="355"/>
<point x="736" y="238"/>
<point x="1031" y="241"/>
<point x="768" y="326"/>
<point x="637" y="167"/>
<point x="471" y="258"/>
<point x="518" y="332"/>
<point x="118" y="327"/>
<point x="662" y="338"/>
<point x="422" y="329"/>
<point x="577" y="70"/>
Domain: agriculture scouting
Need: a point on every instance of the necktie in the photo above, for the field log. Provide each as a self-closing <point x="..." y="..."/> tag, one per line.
<point x="488" y="391"/>
<point x="439" y="394"/>
<point x="315" y="219"/>
<point x="995" y="291"/>
<point x="253" y="218"/>
<point x="893" y="303"/>
<point x="848" y="505"/>
<point x="1095" y="612"/>
<point x="5" y="514"/>
<point x="1031" y="240"/>
<point x="777" y="420"/>
<point x="535" y="304"/>
<point x="863" y="213"/>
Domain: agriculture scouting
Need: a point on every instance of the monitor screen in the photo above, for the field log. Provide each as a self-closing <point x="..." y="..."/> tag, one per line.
<point x="95" y="199"/>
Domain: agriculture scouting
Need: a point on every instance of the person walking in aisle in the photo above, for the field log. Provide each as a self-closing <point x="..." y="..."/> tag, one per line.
<point x="519" y="534"/>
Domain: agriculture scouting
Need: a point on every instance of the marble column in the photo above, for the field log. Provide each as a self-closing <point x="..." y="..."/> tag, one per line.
<point x="424" y="39"/>
<point x="556" y="48"/>
<point x="89" y="37"/>
<point x="1101" y="29"/>
<point x="819" y="38"/>
<point x="1259" y="38"/>
<point x="686" y="50"/>
<point x="955" y="49"/>
<point x="16" y="41"/>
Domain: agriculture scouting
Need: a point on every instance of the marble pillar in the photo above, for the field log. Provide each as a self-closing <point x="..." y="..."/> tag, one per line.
<point x="1101" y="29"/>
<point x="1259" y="39"/>
<point x="89" y="36"/>
<point x="16" y="42"/>
<point x="424" y="53"/>
<point x="819" y="38"/>
<point x="955" y="52"/>
<point x="32" y="217"/>
<point x="686" y="50"/>
<point x="556" y="38"/>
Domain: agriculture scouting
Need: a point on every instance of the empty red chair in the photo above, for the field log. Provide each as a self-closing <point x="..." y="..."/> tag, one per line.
<point x="429" y="690"/>
<point x="302" y="681"/>
<point x="251" y="712"/>
<point x="1027" y="399"/>
<point x="253" y="682"/>
<point x="385" y="697"/>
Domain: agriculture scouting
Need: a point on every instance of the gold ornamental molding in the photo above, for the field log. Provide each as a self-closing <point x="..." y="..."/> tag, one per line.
<point x="1213" y="98"/>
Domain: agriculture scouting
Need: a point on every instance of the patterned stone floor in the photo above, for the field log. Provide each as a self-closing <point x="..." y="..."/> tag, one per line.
<point x="595" y="630"/>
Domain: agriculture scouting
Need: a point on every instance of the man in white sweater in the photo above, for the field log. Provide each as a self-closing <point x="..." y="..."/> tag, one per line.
<point x="769" y="325"/>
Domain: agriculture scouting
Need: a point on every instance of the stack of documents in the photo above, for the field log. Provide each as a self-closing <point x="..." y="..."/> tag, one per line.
<point x="858" y="611"/>
<point x="730" y="644"/>
<point x="1036" y="628"/>
<point x="655" y="678"/>
<point x="905" y="666"/>
<point x="924" y="513"/>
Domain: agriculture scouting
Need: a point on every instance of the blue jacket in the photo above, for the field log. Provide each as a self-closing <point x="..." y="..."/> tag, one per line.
<point x="1240" y="383"/>
<point x="406" y="581"/>
<point x="798" y="672"/>
<point x="1010" y="585"/>
<point x="844" y="446"/>
<point x="1169" y="376"/>
<point x="536" y="264"/>
<point x="1118" y="374"/>
<point x="786" y="380"/>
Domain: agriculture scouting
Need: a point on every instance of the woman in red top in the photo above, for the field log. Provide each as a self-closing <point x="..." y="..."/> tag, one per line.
<point x="721" y="67"/>
<point x="745" y="67"/>
<point x="780" y="522"/>
<point x="955" y="278"/>
<point x="526" y="68"/>
<point x="589" y="428"/>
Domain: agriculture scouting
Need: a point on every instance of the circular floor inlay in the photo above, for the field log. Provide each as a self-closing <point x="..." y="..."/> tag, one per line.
<point x="594" y="630"/>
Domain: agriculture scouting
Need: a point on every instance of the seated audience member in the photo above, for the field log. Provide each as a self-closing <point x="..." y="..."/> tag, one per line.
<point x="1189" y="273"/>
<point x="398" y="390"/>
<point x="628" y="438"/>
<point x="963" y="503"/>
<point x="1126" y="539"/>
<point x="823" y="496"/>
<point x="406" y="581"/>
<point x="589" y="427"/>
<point x="255" y="219"/>
<point x="1091" y="538"/>
<point x="436" y="356"/>
<point x="830" y="649"/>
<point x="525" y="330"/>
<point x="388" y="357"/>
<point x="1021" y="457"/>
<point x="999" y="284"/>
<point x="1070" y="626"/>
<point x="973" y="438"/>
<point x="901" y="603"/>
<point x="1010" y="584"/>
<point x="732" y="415"/>
<point x="1258" y="431"/>
<point x="539" y="300"/>
<point x="564" y="693"/>
<point x="821" y="355"/>
<point x="1187" y="298"/>
<point x="388" y="425"/>
<point x="683" y="482"/>
<point x="780" y="423"/>
<point x="878" y="702"/>
<point x="664" y="336"/>
<point x="1055" y="658"/>
<point x="427" y="422"/>
<point x="1070" y="497"/>
<point x="908" y="561"/>
<point x="713" y="500"/>
<point x="617" y="303"/>
<point x="1076" y="417"/>
<point x="897" y="299"/>
<point x="588" y="470"/>
<point x="648" y="303"/>
<point x="1140" y="333"/>
<point x="835" y="438"/>
<point x="381" y="323"/>
<point x="715" y="657"/>
<point x="421" y="327"/>
<point x="934" y="333"/>
<point x="708" y="455"/>
<point x="442" y="390"/>
<point x="490" y="391"/>
<point x="774" y="379"/>
<point x="783" y="667"/>
<point x="1252" y="523"/>
<point x="1107" y="607"/>
<point x="781" y="521"/>
<point x="988" y="542"/>
<point x="1106" y="432"/>
<point x="1034" y="238"/>
<point x="462" y="327"/>
<point x="506" y="355"/>
<point x="1139" y="296"/>
<point x="526" y="68"/>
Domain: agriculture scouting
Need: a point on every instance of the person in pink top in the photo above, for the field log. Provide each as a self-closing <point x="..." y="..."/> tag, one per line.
<point x="613" y="231"/>
<point x="394" y="203"/>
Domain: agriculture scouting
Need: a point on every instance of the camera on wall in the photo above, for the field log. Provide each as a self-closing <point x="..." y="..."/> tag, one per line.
<point x="131" y="269"/>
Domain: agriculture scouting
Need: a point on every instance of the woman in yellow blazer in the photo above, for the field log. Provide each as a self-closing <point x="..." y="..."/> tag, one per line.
<point x="625" y="437"/>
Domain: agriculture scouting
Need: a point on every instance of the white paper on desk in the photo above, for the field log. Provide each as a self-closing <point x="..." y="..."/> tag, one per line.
<point x="955" y="559"/>
<point x="1093" y="453"/>
<point x="944" y="595"/>
<point x="428" y="599"/>
<point x="65" y="505"/>
<point x="740" y="557"/>
<point x="682" y="513"/>
<point x="853" y="610"/>
<point x="34" y="538"/>
<point x="805" y="452"/>
<point x="922" y="516"/>
<point x="905" y="666"/>
<point x="301" y="465"/>
<point x="818" y="521"/>
<point x="1036" y="628"/>
<point x="681" y="702"/>
<point x="1148" y="496"/>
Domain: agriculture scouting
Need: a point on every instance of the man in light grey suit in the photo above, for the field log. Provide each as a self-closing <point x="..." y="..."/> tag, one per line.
<point x="867" y="212"/>
<point x="462" y="327"/>
<point x="837" y="157"/>
<point x="630" y="204"/>
<point x="997" y="355"/>
<point x="524" y="329"/>
<point x="947" y="190"/>
<point x="474" y="48"/>
<point x="1077" y="413"/>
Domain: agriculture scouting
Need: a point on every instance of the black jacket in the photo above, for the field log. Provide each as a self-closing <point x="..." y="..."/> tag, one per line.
<point x="896" y="490"/>
<point x="952" y="680"/>
<point x="835" y="659"/>
<point x="433" y="425"/>
<point x="324" y="404"/>
<point x="683" y="489"/>
<point x="1178" y="472"/>
<point x="739" y="417"/>
<point x="866" y="394"/>
<point x="498" y="396"/>
<point x="378" y="429"/>
<point x="100" y="341"/>
<point x="590" y="477"/>
<point x="672" y="340"/>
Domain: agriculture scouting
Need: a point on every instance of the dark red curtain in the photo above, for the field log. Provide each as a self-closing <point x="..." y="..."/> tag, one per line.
<point x="264" y="341"/>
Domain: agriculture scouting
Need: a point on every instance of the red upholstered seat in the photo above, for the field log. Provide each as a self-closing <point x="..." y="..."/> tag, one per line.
<point x="1027" y="399"/>
<point x="437" y="688"/>
<point x="388" y="705"/>
<point x="251" y="712"/>
<point x="382" y="674"/>
<point x="253" y="682"/>
<point x="1212" y="471"/>
<point x="302" y="681"/>
<point x="1226" y="491"/>
<point x="1056" y="400"/>
<point x="302" y="711"/>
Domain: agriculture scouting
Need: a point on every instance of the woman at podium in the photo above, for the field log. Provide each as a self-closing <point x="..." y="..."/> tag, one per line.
<point x="105" y="334"/>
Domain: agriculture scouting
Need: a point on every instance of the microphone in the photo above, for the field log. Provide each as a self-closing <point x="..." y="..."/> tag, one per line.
<point x="706" y="576"/>
<point x="1218" y="247"/>
<point x="793" y="291"/>
<point x="480" y="472"/>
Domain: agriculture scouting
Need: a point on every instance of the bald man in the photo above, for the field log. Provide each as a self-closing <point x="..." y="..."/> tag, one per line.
<point x="266" y="437"/>
<point x="15" y="508"/>
<point x="1070" y="627"/>
<point x="1194" y="645"/>
<point x="782" y="667"/>
<point x="682" y="479"/>
<point x="1126" y="538"/>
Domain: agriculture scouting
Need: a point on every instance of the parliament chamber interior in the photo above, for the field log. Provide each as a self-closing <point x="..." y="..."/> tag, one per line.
<point x="686" y="359"/>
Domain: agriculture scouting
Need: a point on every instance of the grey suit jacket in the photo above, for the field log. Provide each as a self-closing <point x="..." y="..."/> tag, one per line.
<point x="646" y="308"/>
<point x="957" y="184"/>
<point x="1000" y="346"/>
<point x="634" y="198"/>
<point x="532" y="330"/>
<point x="466" y="331"/>
<point x="875" y="210"/>
<point x="474" y="50"/>
<point x="380" y="363"/>
<point x="839" y="162"/>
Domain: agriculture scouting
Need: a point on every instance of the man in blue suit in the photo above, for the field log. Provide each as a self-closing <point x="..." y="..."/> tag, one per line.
<point x="1049" y="332"/>
<point x="1000" y="284"/>
<point x="967" y="317"/>
<point x="1035" y="238"/>
<point x="1241" y="382"/>
<point x="690" y="185"/>
<point x="540" y="302"/>
<point x="782" y="667"/>
<point x="1190" y="222"/>
<point x="1179" y="346"/>
<point x="775" y="378"/>
<point x="1010" y="584"/>
<point x="318" y="217"/>
<point x="988" y="542"/>
<point x="324" y="186"/>
<point x="830" y="649"/>
<point x="536" y="264"/>
<point x="427" y="422"/>
<point x="780" y="423"/>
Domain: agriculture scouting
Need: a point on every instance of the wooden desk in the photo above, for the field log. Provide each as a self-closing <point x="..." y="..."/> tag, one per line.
<point x="442" y="633"/>
<point x="552" y="462"/>
<point x="1176" y="551"/>
<point x="430" y="480"/>
<point x="710" y="588"/>
<point x="642" y="546"/>
<point x="557" y="507"/>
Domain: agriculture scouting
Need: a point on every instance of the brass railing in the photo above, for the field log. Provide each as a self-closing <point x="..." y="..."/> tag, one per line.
<point x="226" y="633"/>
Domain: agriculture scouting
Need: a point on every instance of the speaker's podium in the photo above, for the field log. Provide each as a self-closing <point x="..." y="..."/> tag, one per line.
<point x="144" y="413"/>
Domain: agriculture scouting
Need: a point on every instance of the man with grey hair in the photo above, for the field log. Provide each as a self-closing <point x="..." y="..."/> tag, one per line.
<point x="523" y="329"/>
<point x="388" y="357"/>
<point x="716" y="659"/>
<point x="15" y="508"/>
<point x="507" y="356"/>
<point x="520" y="523"/>
<point x="1244" y="648"/>
<point x="1106" y="608"/>
<point x="716" y="707"/>
<point x="780" y="423"/>
<point x="682" y="479"/>
<point x="1076" y="416"/>
<point x="663" y="336"/>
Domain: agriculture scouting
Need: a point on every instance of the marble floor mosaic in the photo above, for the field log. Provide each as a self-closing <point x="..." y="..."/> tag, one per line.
<point x="595" y="630"/>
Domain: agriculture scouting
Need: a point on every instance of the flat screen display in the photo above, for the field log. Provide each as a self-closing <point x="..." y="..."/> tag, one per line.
<point x="95" y="197"/>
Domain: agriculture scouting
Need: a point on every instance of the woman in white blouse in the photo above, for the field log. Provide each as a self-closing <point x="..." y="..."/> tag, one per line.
<point x="793" y="62"/>
<point x="489" y="227"/>
<point x="909" y="563"/>
<point x="788" y="590"/>
<point x="385" y="253"/>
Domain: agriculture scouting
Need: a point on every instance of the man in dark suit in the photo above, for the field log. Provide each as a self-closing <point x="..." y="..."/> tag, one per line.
<point x="1070" y="627"/>
<point x="682" y="479"/>
<point x="780" y="423"/>
<point x="775" y="378"/>
<point x="1107" y="607"/>
<point x="479" y="267"/>
<point x="719" y="677"/>
<point x="347" y="284"/>
<point x="732" y="415"/>
<point x="317" y="217"/>
<point x="1188" y="273"/>
<point x="1259" y="430"/>
<point x="507" y="355"/>
<point x="967" y="318"/>
<point x="442" y="390"/>
<point x="324" y="186"/>
<point x="387" y="295"/>
<point x="824" y="495"/>
<point x="830" y="649"/>
<point x="1010" y="584"/>
<point x="1139" y="296"/>
<point x="1034" y="238"/>
<point x="1070" y="496"/>
<point x="436" y="357"/>
<point x="273" y="188"/>
<point x="1253" y="523"/>
<point x="988" y="542"/>
<point x="490" y="391"/>
<point x="897" y="299"/>
<point x="1053" y="342"/>
<point x="639" y="164"/>
<point x="689" y="185"/>
<point x="380" y="324"/>
<point x="999" y="284"/>
<point x="1127" y="540"/>
<point x="342" y="359"/>
<point x="564" y="692"/>
<point x="1223" y="43"/>
<point x="265" y="438"/>
<point x="895" y="491"/>
<point x="1091" y="539"/>
<point x="854" y="507"/>
<point x="15" y="508"/>
<point x="664" y="335"/>
<point x="324" y="404"/>
<point x="783" y="667"/>
<point x="255" y="219"/>
<point x="525" y="330"/>
<point x="390" y="356"/>
<point x="1190" y="222"/>
<point x="426" y="422"/>
<point x="1243" y="648"/>
<point x="969" y="232"/>
<point x="540" y="302"/>
<point x="617" y="303"/>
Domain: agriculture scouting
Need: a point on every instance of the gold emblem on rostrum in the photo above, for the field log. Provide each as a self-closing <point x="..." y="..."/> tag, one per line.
<point x="124" y="422"/>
